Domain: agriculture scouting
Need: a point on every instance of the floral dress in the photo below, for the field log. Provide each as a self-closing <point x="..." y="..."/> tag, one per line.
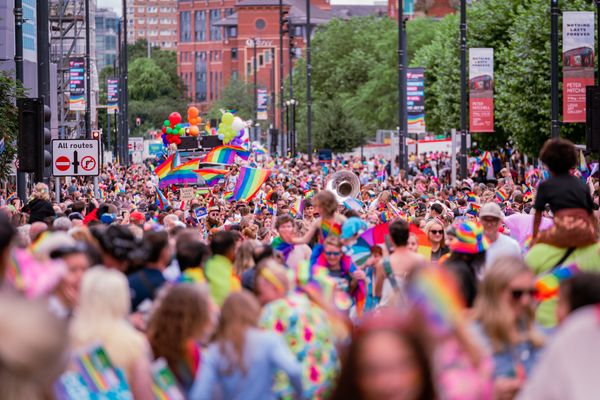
<point x="309" y="335"/>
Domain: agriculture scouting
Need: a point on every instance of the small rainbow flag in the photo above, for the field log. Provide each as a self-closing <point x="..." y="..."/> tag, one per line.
<point x="259" y="148"/>
<point x="184" y="173"/>
<point x="297" y="209"/>
<point x="226" y="154"/>
<point x="249" y="182"/>
<point x="501" y="195"/>
<point x="473" y="209"/>
<point x="309" y="193"/>
<point x="211" y="176"/>
<point x="547" y="285"/>
<point x="527" y="194"/>
<point x="228" y="196"/>
<point x="10" y="197"/>
<point x="161" y="200"/>
<point x="166" y="166"/>
<point x="424" y="248"/>
<point x="471" y="197"/>
<point x="331" y="228"/>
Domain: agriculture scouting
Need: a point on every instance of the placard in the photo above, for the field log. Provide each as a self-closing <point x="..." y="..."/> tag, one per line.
<point x="187" y="194"/>
<point x="481" y="89"/>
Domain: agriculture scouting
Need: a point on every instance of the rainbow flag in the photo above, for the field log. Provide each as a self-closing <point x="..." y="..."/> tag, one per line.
<point x="228" y="196"/>
<point x="211" y="176"/>
<point x="164" y="383"/>
<point x="471" y="197"/>
<point x="583" y="168"/>
<point x="297" y="209"/>
<point x="309" y="193"/>
<point x="501" y="195"/>
<point x="331" y="228"/>
<point x="182" y="174"/>
<point x="259" y="148"/>
<point x="226" y="154"/>
<point x="435" y="292"/>
<point x="166" y="166"/>
<point x="473" y="209"/>
<point x="10" y="197"/>
<point x="547" y="285"/>
<point x="424" y="248"/>
<point x="161" y="200"/>
<point x="249" y="182"/>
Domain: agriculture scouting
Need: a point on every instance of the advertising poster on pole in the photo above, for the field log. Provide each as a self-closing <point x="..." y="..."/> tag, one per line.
<point x="77" y="84"/>
<point x="112" y="95"/>
<point x="415" y="100"/>
<point x="481" y="89"/>
<point x="262" y="102"/>
<point x="578" y="63"/>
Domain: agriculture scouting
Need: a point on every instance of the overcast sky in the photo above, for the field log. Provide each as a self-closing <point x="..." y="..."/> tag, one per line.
<point x="116" y="5"/>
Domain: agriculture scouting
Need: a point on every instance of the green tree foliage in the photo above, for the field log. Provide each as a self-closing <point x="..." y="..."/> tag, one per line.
<point x="155" y="89"/>
<point x="236" y="95"/>
<point x="9" y="122"/>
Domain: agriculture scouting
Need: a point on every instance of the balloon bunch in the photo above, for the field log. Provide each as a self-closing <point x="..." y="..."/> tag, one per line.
<point x="172" y="129"/>
<point x="194" y="120"/>
<point x="231" y="129"/>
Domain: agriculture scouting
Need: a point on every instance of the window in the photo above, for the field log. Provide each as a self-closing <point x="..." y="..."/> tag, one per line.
<point x="184" y="26"/>
<point x="200" y="71"/>
<point x="267" y="56"/>
<point x="234" y="53"/>
<point x="210" y="82"/>
<point x="165" y="33"/>
<point x="152" y="21"/>
<point x="141" y="21"/>
<point x="260" y="60"/>
<point x="234" y="75"/>
<point x="260" y="24"/>
<point x="141" y="9"/>
<point x="152" y="9"/>
<point x="232" y="31"/>
<point x="248" y="69"/>
<point x="200" y="26"/>
<point x="215" y="31"/>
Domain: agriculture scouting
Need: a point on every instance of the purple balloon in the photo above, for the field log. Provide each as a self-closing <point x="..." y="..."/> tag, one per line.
<point x="164" y="140"/>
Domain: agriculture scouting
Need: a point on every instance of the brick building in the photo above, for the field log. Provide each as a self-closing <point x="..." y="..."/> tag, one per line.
<point x="216" y="41"/>
<point x="153" y="20"/>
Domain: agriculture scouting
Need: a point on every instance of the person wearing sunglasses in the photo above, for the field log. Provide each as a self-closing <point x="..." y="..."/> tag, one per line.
<point x="435" y="233"/>
<point x="505" y="315"/>
<point x="491" y="217"/>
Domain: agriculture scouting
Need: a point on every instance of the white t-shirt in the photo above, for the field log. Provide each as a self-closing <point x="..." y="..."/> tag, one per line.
<point x="503" y="246"/>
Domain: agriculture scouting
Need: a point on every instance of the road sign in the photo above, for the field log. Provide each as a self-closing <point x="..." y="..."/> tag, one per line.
<point x="136" y="144"/>
<point x="75" y="157"/>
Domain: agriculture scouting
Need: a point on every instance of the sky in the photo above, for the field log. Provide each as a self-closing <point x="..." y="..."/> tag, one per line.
<point x="116" y="5"/>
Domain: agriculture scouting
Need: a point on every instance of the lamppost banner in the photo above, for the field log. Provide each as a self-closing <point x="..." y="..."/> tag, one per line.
<point x="112" y="94"/>
<point x="76" y="84"/>
<point x="262" y="104"/>
<point x="481" y="89"/>
<point x="415" y="100"/>
<point x="578" y="62"/>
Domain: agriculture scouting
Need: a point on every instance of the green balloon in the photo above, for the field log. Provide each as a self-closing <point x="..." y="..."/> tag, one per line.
<point x="227" y="118"/>
<point x="166" y="123"/>
<point x="181" y="131"/>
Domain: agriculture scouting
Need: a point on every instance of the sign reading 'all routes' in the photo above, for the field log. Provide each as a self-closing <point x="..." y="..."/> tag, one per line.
<point x="75" y="157"/>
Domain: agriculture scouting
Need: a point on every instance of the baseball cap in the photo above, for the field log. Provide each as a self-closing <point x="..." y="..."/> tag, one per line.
<point x="137" y="216"/>
<point x="491" y="210"/>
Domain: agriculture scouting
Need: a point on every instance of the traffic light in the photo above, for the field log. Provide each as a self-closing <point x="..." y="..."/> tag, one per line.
<point x="96" y="134"/>
<point x="284" y="22"/>
<point x="34" y="140"/>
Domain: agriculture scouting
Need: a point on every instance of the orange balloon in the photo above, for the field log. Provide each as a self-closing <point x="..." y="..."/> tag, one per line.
<point x="192" y="112"/>
<point x="194" y="130"/>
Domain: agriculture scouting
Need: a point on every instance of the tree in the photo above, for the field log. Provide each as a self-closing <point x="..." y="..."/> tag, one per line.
<point x="236" y="95"/>
<point x="9" y="122"/>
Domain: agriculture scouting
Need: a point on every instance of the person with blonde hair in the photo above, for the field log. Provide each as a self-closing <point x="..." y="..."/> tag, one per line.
<point x="505" y="314"/>
<point x="435" y="233"/>
<point x="104" y="303"/>
<point x="39" y="206"/>
<point x="242" y="362"/>
<point x="32" y="348"/>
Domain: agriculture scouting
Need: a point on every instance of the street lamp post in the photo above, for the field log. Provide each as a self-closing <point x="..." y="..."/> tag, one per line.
<point x="293" y="102"/>
<point x="255" y="86"/>
<point x="287" y="124"/>
<point x="463" y="89"/>
<point x="402" y="117"/>
<point x="308" y="84"/>
<point x="554" y="12"/>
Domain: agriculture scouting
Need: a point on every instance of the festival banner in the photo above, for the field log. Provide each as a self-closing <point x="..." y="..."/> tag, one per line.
<point x="112" y="95"/>
<point x="262" y="102"/>
<point x="578" y="63"/>
<point x="77" y="84"/>
<point x="481" y="89"/>
<point x="415" y="100"/>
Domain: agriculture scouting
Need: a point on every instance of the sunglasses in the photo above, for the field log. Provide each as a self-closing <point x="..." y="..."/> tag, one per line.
<point x="518" y="293"/>
<point x="332" y="253"/>
<point x="436" y="232"/>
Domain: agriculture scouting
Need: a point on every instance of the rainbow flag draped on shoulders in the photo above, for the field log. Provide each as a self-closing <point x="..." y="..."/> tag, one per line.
<point x="249" y="182"/>
<point x="226" y="154"/>
<point x="182" y="174"/>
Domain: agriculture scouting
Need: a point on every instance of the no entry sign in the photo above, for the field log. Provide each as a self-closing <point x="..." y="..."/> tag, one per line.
<point x="75" y="157"/>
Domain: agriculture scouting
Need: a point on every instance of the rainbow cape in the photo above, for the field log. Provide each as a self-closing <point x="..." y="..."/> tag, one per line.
<point x="249" y="182"/>
<point x="424" y="248"/>
<point x="226" y="154"/>
<point x="182" y="174"/>
<point x="211" y="176"/>
<point x="283" y="247"/>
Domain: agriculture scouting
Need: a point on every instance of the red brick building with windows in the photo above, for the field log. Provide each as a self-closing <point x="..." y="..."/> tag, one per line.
<point x="215" y="42"/>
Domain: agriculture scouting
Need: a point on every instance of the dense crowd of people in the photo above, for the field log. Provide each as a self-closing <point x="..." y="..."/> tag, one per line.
<point x="415" y="288"/>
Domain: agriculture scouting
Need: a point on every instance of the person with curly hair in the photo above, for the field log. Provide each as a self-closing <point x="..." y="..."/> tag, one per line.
<point x="178" y="328"/>
<point x="569" y="199"/>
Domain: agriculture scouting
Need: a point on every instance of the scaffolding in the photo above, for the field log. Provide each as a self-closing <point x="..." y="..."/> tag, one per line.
<point x="67" y="40"/>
